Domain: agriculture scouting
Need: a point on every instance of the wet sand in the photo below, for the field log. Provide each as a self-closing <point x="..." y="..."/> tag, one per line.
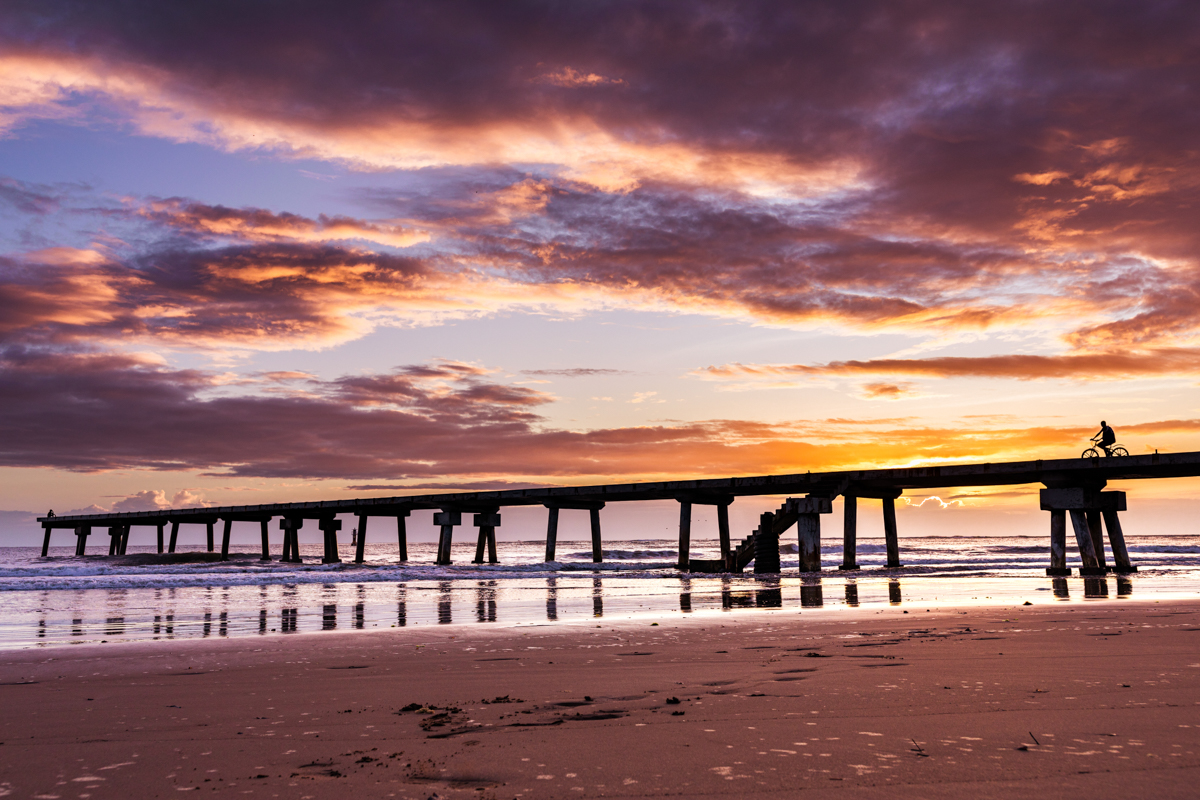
<point x="1100" y="700"/>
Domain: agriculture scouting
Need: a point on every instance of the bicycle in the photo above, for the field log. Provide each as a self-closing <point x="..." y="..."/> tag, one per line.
<point x="1114" y="450"/>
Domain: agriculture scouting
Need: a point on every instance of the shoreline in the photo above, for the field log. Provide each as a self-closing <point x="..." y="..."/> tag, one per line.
<point x="927" y="704"/>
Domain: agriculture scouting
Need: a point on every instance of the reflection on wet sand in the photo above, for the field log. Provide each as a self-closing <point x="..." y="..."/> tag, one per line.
<point x="223" y="611"/>
<point x="485" y="601"/>
<point x="444" y="614"/>
<point x="810" y="593"/>
<point x="771" y="596"/>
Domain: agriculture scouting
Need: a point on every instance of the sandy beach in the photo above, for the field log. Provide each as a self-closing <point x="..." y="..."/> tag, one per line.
<point x="1102" y="700"/>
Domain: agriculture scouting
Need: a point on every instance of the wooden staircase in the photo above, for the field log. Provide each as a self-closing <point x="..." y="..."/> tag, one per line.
<point x="743" y="553"/>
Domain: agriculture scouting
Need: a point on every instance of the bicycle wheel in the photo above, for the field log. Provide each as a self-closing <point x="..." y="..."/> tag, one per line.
<point x="1091" y="452"/>
<point x="1119" y="451"/>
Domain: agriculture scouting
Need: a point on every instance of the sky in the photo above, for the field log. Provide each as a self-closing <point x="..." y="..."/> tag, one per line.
<point x="263" y="252"/>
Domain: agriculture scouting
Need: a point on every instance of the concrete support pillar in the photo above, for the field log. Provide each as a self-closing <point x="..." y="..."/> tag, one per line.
<point x="264" y="530"/>
<point x="487" y="524"/>
<point x="291" y="539"/>
<point x="808" y="527"/>
<point x="685" y="534"/>
<point x="159" y="538"/>
<point x="114" y="540"/>
<point x="46" y="540"/>
<point x="209" y="527"/>
<point x="81" y="536"/>
<point x="1058" y="544"/>
<point x="174" y="537"/>
<point x="597" y="545"/>
<point x="125" y="539"/>
<point x="551" y="532"/>
<point x="849" y="533"/>
<point x="446" y="520"/>
<point x="889" y="533"/>
<point x="723" y="530"/>
<point x="330" y="526"/>
<point x="362" y="539"/>
<point x="1116" y="539"/>
<point x="766" y="546"/>
<point x="402" y="534"/>
<point x="1096" y="529"/>
<point x="1083" y="538"/>
<point x="225" y="534"/>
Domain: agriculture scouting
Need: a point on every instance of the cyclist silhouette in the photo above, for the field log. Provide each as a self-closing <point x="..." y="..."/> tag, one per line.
<point x="1105" y="438"/>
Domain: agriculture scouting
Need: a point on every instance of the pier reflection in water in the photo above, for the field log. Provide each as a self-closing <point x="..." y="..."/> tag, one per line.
<point x="183" y="612"/>
<point x="810" y="592"/>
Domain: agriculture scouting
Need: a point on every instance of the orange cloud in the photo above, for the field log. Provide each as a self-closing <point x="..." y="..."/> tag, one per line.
<point x="258" y="225"/>
<point x="1083" y="366"/>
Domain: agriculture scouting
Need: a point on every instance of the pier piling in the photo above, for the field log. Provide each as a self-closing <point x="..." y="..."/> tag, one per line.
<point x="723" y="529"/>
<point x="890" y="536"/>
<point x="487" y="523"/>
<point x="329" y="527"/>
<point x="1087" y="507"/>
<point x="685" y="533"/>
<point x="1116" y="540"/>
<point x="159" y="536"/>
<point x="402" y="533"/>
<point x="174" y="536"/>
<point x="291" y="538"/>
<point x="361" y="542"/>
<point x="446" y="520"/>
<point x="225" y="534"/>
<point x="849" y="533"/>
<point x="597" y="545"/>
<point x="1058" y="544"/>
<point x="551" y="532"/>
<point x="1087" y="549"/>
<point x="209" y="529"/>
<point x="264" y="531"/>
<point x="1097" y="532"/>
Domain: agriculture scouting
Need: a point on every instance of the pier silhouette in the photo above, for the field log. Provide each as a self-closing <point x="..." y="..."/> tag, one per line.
<point x="1073" y="488"/>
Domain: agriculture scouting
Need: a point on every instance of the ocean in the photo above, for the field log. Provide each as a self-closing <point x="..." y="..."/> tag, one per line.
<point x="63" y="600"/>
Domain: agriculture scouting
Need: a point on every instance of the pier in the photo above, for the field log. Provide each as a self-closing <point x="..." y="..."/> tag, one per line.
<point x="1072" y="488"/>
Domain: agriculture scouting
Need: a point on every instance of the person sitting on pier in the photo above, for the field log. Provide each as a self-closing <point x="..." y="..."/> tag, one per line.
<point x="1105" y="438"/>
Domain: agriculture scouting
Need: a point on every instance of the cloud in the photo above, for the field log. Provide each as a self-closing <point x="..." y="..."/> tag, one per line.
<point x="28" y="198"/>
<point x="442" y="423"/>
<point x="887" y="391"/>
<point x="147" y="500"/>
<point x="930" y="169"/>
<point x="258" y="225"/>
<point x="576" y="372"/>
<point x="1084" y="366"/>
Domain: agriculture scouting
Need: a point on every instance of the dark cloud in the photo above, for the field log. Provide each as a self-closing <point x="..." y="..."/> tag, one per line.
<point x="88" y="412"/>
<point x="932" y="165"/>
<point x="28" y="198"/>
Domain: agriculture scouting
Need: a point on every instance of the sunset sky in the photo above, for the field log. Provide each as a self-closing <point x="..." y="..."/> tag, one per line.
<point x="257" y="252"/>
